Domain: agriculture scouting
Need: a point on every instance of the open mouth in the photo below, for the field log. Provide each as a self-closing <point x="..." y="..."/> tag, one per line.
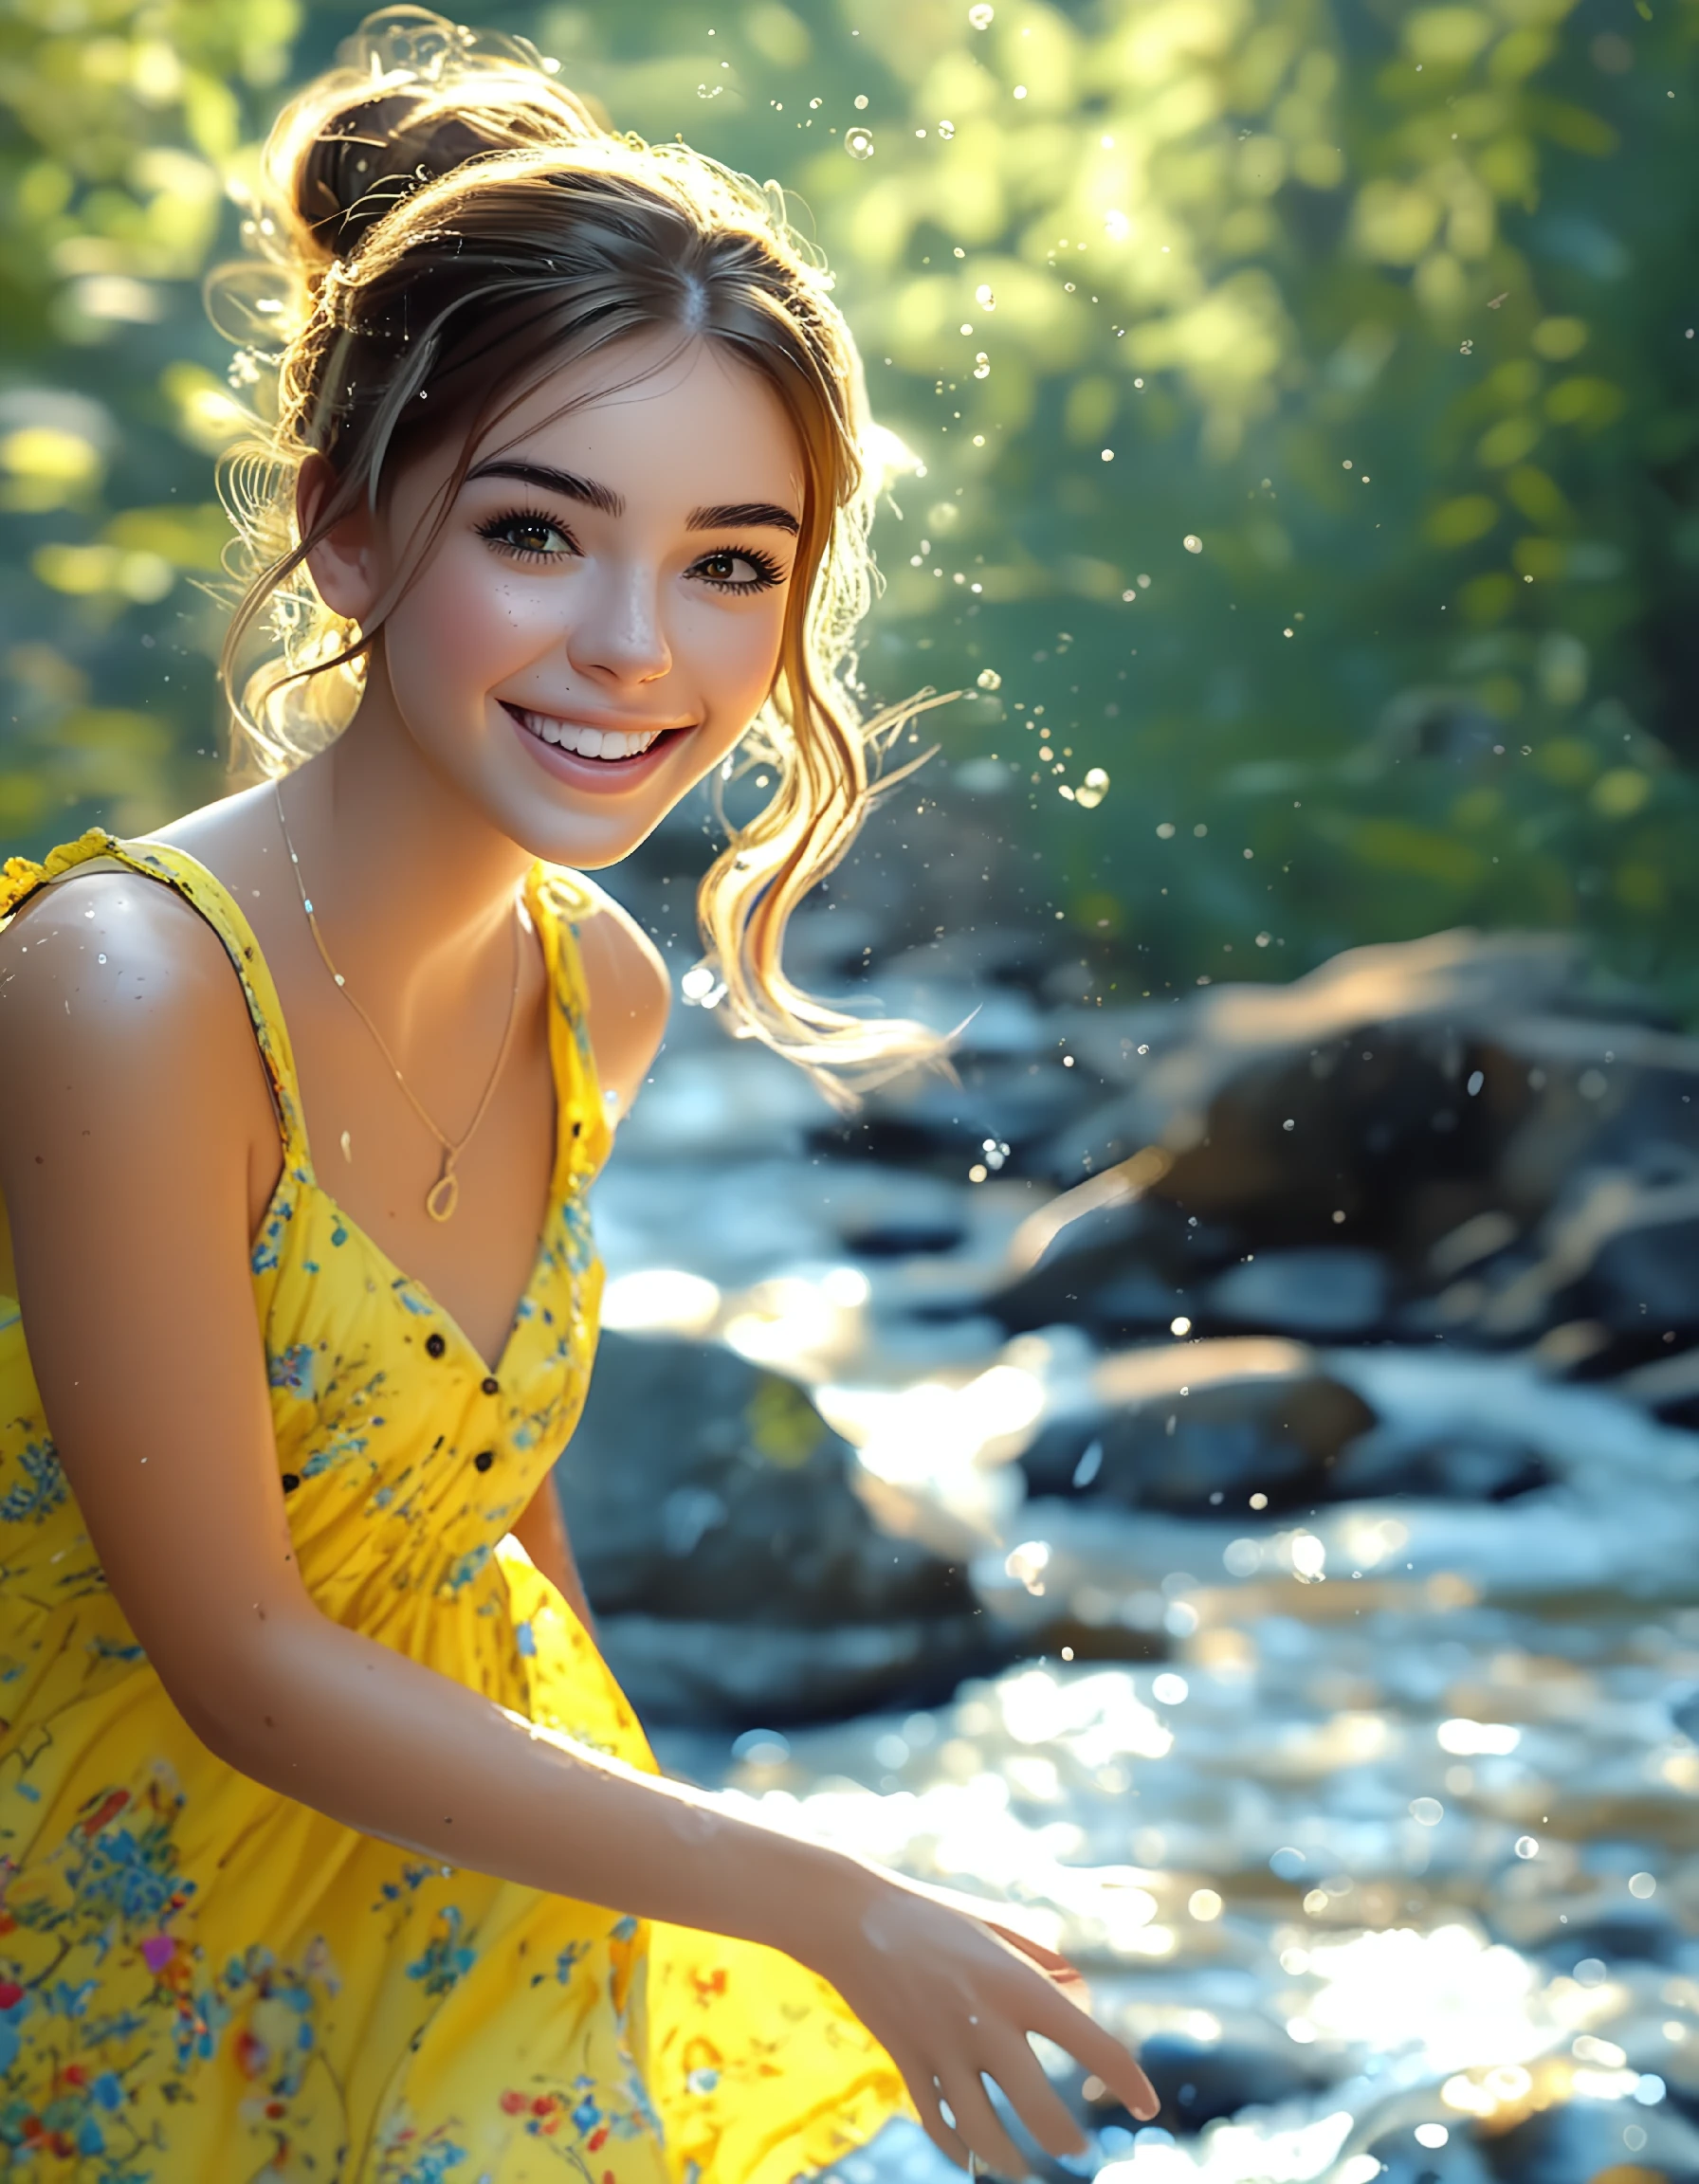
<point x="606" y="746"/>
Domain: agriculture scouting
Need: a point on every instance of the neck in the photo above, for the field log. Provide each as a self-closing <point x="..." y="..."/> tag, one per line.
<point x="411" y="886"/>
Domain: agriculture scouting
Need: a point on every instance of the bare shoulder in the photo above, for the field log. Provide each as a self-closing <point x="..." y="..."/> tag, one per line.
<point x="629" y="992"/>
<point x="108" y="980"/>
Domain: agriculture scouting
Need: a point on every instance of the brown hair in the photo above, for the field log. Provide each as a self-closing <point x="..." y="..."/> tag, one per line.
<point x="441" y="225"/>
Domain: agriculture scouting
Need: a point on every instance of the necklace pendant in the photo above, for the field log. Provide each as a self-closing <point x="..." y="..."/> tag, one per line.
<point x="443" y="1196"/>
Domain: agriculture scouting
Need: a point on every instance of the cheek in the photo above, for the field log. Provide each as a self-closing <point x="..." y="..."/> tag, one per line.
<point x="737" y="654"/>
<point x="462" y="628"/>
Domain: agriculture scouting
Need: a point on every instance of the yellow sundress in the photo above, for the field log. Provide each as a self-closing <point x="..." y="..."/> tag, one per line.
<point x="203" y="1982"/>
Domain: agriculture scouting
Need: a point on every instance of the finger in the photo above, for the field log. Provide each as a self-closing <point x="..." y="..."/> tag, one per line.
<point x="1063" y="2021"/>
<point x="1019" y="2071"/>
<point x="923" y="2091"/>
<point x="977" y="2119"/>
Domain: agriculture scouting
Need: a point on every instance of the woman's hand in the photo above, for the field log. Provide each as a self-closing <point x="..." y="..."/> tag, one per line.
<point x="950" y="1994"/>
<point x="1013" y="1924"/>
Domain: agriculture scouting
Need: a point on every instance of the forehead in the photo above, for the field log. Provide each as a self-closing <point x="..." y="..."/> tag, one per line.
<point x="661" y="421"/>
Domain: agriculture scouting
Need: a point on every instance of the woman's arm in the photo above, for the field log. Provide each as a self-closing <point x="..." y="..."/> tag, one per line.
<point x="628" y="995"/>
<point x="542" y="1532"/>
<point x="133" y="1113"/>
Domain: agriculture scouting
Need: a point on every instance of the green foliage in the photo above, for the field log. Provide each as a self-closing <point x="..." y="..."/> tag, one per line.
<point x="1302" y="416"/>
<point x="120" y="120"/>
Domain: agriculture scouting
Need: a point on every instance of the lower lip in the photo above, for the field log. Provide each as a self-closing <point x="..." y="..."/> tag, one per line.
<point x="593" y="774"/>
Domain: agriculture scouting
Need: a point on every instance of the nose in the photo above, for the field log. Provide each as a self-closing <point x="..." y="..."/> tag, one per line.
<point x="618" y="632"/>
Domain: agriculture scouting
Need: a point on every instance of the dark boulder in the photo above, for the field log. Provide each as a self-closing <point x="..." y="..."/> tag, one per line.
<point x="734" y="1571"/>
<point x="733" y="1674"/>
<point x="1448" y="1139"/>
<point x="1201" y="1425"/>
<point x="1479" y="1465"/>
<point x="1340" y="1295"/>
<point x="1582" y="2143"/>
<point x="1199" y="2081"/>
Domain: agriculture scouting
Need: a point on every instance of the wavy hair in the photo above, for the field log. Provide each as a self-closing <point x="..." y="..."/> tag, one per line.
<point x="439" y="226"/>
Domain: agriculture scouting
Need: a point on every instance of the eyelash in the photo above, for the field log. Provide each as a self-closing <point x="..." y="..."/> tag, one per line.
<point x="768" y="570"/>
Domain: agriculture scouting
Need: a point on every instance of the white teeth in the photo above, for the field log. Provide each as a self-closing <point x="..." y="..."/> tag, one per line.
<point x="587" y="742"/>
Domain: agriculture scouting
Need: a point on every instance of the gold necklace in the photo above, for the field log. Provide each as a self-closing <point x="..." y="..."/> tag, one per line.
<point x="444" y="1195"/>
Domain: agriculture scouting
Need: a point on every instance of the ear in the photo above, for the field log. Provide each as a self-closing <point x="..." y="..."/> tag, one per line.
<point x="342" y="564"/>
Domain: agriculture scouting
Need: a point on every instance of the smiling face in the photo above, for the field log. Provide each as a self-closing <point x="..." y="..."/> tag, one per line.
<point x="599" y="618"/>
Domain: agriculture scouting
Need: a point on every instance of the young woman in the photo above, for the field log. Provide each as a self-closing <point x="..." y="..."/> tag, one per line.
<point x="330" y="1851"/>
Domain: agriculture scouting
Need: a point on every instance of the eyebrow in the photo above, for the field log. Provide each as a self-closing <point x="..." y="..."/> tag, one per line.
<point x="723" y="516"/>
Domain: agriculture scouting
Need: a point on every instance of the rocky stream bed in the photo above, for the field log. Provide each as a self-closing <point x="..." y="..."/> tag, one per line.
<point x="1223" y="1474"/>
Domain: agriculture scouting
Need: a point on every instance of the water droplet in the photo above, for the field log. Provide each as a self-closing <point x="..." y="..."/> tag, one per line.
<point x="1191" y="543"/>
<point x="981" y="365"/>
<point x="861" y="103"/>
<point x="1028" y="1562"/>
<point x="980" y="16"/>
<point x="988" y="679"/>
<point x="100" y="959"/>
<point x="946" y="129"/>
<point x="859" y="143"/>
<point x="1093" y="789"/>
<point x="985" y="297"/>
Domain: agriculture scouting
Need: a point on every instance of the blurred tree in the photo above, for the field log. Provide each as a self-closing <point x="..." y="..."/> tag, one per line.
<point x="119" y="122"/>
<point x="1302" y="405"/>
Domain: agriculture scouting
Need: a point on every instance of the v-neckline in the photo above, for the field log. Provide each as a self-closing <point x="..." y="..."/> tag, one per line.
<point x="254" y="972"/>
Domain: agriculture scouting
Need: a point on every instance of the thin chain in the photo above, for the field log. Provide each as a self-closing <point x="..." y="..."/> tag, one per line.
<point x="444" y="1195"/>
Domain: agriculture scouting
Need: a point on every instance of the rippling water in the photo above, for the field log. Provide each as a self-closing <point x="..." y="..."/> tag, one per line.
<point x="1388" y="1859"/>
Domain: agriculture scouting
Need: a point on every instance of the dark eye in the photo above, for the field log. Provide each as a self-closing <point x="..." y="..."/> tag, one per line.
<point x="739" y="569"/>
<point x="528" y="534"/>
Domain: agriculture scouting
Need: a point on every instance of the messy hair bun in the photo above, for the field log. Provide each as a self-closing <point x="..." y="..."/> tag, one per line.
<point x="442" y="227"/>
<point x="344" y="154"/>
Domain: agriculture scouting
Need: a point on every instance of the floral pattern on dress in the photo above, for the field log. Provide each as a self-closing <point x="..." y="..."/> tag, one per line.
<point x="202" y="1982"/>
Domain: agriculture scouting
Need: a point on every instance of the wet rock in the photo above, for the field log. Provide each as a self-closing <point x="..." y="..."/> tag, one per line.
<point x="1339" y="1294"/>
<point x="1192" y="1428"/>
<point x="1016" y="1099"/>
<point x="1484" y="1465"/>
<point x="1584" y="2142"/>
<point x="696" y="1479"/>
<point x="713" y="1520"/>
<point x="733" y="1674"/>
<point x="1441" y="1138"/>
<point x="1118" y="1262"/>
<point x="904" y="1235"/>
<point x="1277" y="1098"/>
<point x="1623" y="1937"/>
<point x="1405" y="2160"/>
<point x="1644" y="1276"/>
<point x="1199" y="2081"/>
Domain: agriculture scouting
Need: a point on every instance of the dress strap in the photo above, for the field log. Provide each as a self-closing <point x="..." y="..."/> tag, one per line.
<point x="22" y="878"/>
<point x="560" y="901"/>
